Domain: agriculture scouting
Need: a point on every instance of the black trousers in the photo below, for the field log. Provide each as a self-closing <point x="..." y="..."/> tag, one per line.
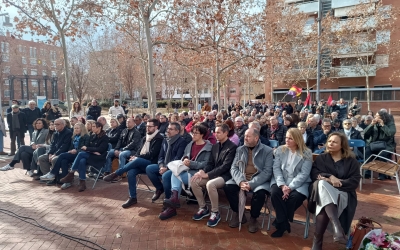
<point x="285" y="209"/>
<point x="24" y="154"/>
<point x="257" y="201"/>
<point x="14" y="135"/>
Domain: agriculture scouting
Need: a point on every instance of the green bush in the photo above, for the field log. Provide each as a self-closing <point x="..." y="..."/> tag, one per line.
<point x="164" y="103"/>
<point x="106" y="104"/>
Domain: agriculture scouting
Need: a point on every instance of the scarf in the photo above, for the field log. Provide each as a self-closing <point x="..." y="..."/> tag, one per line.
<point x="170" y="141"/>
<point x="146" y="145"/>
<point x="273" y="130"/>
<point x="15" y="121"/>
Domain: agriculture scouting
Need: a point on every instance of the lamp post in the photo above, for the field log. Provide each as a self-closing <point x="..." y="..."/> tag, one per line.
<point x="319" y="50"/>
<point x="45" y="85"/>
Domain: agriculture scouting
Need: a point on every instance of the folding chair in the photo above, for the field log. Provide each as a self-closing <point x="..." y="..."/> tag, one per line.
<point x="273" y="143"/>
<point x="138" y="179"/>
<point x="97" y="169"/>
<point x="359" y="144"/>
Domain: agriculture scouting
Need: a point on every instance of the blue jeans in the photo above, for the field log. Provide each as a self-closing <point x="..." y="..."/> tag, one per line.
<point x="1" y="141"/>
<point x="176" y="184"/>
<point x="152" y="172"/>
<point x="80" y="164"/>
<point x="135" y="167"/>
<point x="62" y="163"/>
<point x="30" y="129"/>
<point x="123" y="155"/>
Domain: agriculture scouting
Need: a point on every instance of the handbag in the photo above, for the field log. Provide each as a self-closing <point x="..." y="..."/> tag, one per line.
<point x="363" y="226"/>
<point x="377" y="146"/>
<point x="177" y="167"/>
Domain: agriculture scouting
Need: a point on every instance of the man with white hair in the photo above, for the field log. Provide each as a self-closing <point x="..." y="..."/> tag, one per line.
<point x="334" y="108"/>
<point x="240" y="127"/>
<point x="31" y="114"/>
<point x="367" y="121"/>
<point x="391" y="116"/>
<point x="313" y="125"/>
<point x="334" y="115"/>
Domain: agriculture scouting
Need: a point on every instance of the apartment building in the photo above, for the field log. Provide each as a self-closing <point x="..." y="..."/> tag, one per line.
<point x="29" y="69"/>
<point x="345" y="80"/>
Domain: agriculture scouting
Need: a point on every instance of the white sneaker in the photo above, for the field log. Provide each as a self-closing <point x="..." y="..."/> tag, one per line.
<point x="48" y="177"/>
<point x="30" y="173"/>
<point x="66" y="185"/>
<point x="6" y="167"/>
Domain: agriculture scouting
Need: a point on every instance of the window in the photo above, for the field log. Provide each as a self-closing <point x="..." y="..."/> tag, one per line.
<point x="381" y="95"/>
<point x="382" y="61"/>
<point x="41" y="52"/>
<point x="24" y="82"/>
<point x="20" y="48"/>
<point x="44" y="63"/>
<point x="34" y="83"/>
<point x="382" y="36"/>
<point x="232" y="90"/>
<point x="5" y="57"/>
<point x="33" y="61"/>
<point x="53" y="55"/>
<point x="23" y="60"/>
<point x="24" y="71"/>
<point x="53" y="74"/>
<point x="6" y="82"/>
<point x="6" y="69"/>
<point x="205" y="91"/>
<point x="34" y="72"/>
<point x="6" y="93"/>
<point x="44" y="73"/>
<point x="5" y="47"/>
<point x="32" y="52"/>
<point x="54" y="64"/>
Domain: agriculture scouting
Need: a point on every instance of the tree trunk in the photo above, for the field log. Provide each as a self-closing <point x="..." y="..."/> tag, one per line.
<point x="196" y="92"/>
<point x="368" y="92"/>
<point x="66" y="68"/>
<point x="152" y="96"/>
<point x="308" y="86"/>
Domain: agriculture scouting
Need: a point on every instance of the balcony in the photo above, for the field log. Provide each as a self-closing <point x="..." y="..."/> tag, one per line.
<point x="356" y="50"/>
<point x="305" y="7"/>
<point x="351" y="71"/>
<point x="346" y="3"/>
<point x="357" y="24"/>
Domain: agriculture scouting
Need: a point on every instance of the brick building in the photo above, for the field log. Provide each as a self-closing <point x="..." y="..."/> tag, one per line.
<point x="29" y="69"/>
<point x="345" y="82"/>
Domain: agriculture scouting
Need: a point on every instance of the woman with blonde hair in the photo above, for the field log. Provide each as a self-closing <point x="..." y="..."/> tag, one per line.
<point x="76" y="110"/>
<point x="113" y="132"/>
<point x="335" y="175"/>
<point x="80" y="138"/>
<point x="291" y="178"/>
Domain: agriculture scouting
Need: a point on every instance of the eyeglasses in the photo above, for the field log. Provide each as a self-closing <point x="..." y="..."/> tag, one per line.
<point x="347" y="123"/>
<point x="57" y="124"/>
<point x="327" y="125"/>
<point x="196" y="133"/>
<point x="170" y="129"/>
<point x="148" y="126"/>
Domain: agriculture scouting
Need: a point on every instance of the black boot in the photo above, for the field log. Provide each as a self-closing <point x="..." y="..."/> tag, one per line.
<point x="281" y="228"/>
<point x="338" y="234"/>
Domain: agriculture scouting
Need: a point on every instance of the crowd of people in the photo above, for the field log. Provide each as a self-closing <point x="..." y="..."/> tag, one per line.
<point x="210" y="149"/>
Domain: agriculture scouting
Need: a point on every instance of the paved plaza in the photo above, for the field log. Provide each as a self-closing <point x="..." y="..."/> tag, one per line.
<point x="96" y="215"/>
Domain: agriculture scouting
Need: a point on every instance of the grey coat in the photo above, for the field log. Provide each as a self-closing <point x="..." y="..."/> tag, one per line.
<point x="301" y="171"/>
<point x="201" y="159"/>
<point x="263" y="162"/>
<point x="41" y="138"/>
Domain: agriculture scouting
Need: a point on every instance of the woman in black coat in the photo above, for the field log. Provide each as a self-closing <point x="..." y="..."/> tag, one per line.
<point x="49" y="112"/>
<point x="113" y="132"/>
<point x="95" y="155"/>
<point x="307" y="135"/>
<point x="335" y="175"/>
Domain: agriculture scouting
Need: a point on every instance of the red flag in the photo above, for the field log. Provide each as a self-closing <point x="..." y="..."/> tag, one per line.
<point x="307" y="102"/>
<point x="329" y="102"/>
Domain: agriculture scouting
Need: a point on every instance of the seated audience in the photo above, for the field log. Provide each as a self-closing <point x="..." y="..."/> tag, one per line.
<point x="289" y="185"/>
<point x="240" y="127"/>
<point x="127" y="145"/>
<point x="140" y="125"/>
<point x="185" y="135"/>
<point x="94" y="154"/>
<point x="335" y="175"/>
<point x="147" y="155"/>
<point x="251" y="171"/>
<point x="103" y="122"/>
<point x="214" y="175"/>
<point x="79" y="139"/>
<point x="320" y="138"/>
<point x="276" y="131"/>
<point x="172" y="149"/>
<point x="195" y="157"/>
<point x="232" y="136"/>
<point x="308" y="136"/>
<point x="25" y="153"/>
<point x="113" y="133"/>
<point x="194" y="121"/>
<point x="60" y="144"/>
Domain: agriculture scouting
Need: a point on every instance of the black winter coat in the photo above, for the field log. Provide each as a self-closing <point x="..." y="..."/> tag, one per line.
<point x="94" y="112"/>
<point x="22" y="122"/>
<point x="83" y="141"/>
<point x="61" y="142"/>
<point x="129" y="140"/>
<point x="100" y="145"/>
<point x="279" y="134"/>
<point x="32" y="115"/>
<point x="113" y="136"/>
<point x="155" y="148"/>
<point x="219" y="164"/>
<point x="50" y="114"/>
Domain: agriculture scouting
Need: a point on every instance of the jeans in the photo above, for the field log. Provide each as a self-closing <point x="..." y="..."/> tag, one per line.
<point x="135" y="167"/>
<point x="123" y="156"/>
<point x="80" y="164"/>
<point x="176" y="184"/>
<point x="62" y="163"/>
<point x="1" y="141"/>
<point x="152" y="172"/>
<point x="257" y="201"/>
<point x="30" y="129"/>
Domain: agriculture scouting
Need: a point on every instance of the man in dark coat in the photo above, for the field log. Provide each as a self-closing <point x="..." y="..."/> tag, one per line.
<point x="240" y="127"/>
<point x="214" y="175"/>
<point x="94" y="111"/>
<point x="140" y="125"/>
<point x="288" y="107"/>
<point x="163" y="125"/>
<point x="17" y="125"/>
<point x="32" y="113"/>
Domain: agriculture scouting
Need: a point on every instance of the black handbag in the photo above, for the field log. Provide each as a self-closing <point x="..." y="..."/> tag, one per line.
<point x="377" y="146"/>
